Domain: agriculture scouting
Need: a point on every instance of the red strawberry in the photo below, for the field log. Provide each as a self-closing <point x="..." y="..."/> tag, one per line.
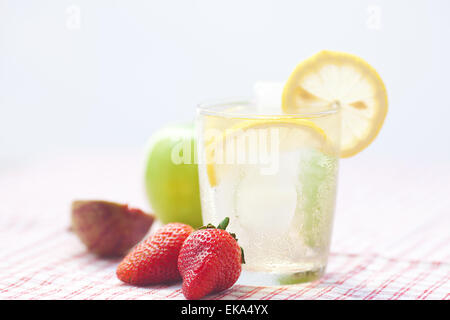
<point x="155" y="259"/>
<point x="209" y="261"/>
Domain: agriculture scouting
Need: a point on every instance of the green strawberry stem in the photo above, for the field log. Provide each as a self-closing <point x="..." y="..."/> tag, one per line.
<point x="223" y="226"/>
<point x="242" y="255"/>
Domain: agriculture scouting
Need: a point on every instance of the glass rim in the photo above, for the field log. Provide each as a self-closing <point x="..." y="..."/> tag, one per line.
<point x="213" y="108"/>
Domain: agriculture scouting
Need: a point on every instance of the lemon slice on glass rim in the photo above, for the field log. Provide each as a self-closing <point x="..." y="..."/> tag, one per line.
<point x="346" y="80"/>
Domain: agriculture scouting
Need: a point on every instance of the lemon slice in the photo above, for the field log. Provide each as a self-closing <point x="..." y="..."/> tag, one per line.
<point x="346" y="80"/>
<point x="223" y="152"/>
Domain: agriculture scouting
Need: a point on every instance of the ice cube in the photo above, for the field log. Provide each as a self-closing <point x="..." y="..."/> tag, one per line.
<point x="266" y="203"/>
<point x="267" y="95"/>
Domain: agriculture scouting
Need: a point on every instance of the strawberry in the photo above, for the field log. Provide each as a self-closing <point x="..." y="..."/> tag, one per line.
<point x="209" y="261"/>
<point x="108" y="228"/>
<point x="155" y="259"/>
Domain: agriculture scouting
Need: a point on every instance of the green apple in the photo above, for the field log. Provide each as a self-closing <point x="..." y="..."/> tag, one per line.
<point x="171" y="175"/>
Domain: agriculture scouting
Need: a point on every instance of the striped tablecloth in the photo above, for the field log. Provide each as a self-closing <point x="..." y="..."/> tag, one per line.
<point x="391" y="237"/>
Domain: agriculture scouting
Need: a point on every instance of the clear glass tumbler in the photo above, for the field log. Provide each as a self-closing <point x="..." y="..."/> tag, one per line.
<point x="274" y="175"/>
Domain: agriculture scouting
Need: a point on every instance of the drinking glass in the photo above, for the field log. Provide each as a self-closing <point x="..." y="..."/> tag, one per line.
<point x="274" y="175"/>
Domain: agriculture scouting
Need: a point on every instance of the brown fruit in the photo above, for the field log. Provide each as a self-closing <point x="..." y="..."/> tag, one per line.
<point x="108" y="228"/>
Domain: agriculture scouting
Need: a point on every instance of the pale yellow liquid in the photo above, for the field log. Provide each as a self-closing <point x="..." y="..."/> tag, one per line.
<point x="282" y="220"/>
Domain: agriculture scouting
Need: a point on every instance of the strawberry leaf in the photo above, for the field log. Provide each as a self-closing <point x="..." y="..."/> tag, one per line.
<point x="208" y="226"/>
<point x="223" y="225"/>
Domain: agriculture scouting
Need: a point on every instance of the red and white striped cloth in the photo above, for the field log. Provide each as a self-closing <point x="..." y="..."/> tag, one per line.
<point x="391" y="237"/>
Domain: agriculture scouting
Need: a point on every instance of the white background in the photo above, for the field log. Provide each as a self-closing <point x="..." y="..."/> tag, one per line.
<point x="81" y="93"/>
<point x="100" y="75"/>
